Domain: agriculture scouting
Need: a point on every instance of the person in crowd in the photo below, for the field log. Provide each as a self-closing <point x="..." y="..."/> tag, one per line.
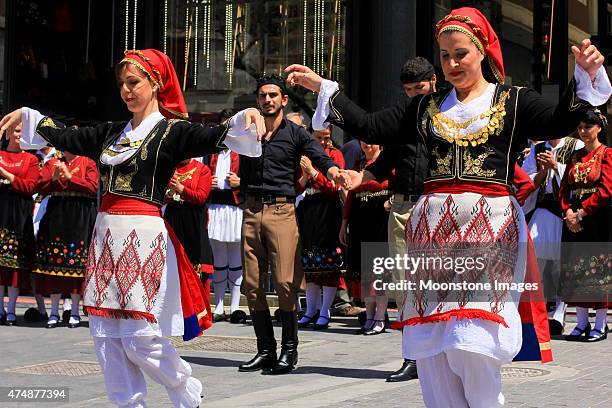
<point x="365" y="219"/>
<point x="64" y="233"/>
<point x="224" y="230"/>
<point x="352" y="153"/>
<point x="140" y="287"/>
<point x="585" y="195"/>
<point x="409" y="160"/>
<point x="270" y="237"/>
<point x="297" y="118"/>
<point x="319" y="216"/>
<point x="545" y="164"/>
<point x="473" y="132"/>
<point x="18" y="175"/>
<point x="187" y="214"/>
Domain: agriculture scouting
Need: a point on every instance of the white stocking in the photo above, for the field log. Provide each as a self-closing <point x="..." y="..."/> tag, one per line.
<point x="55" y="299"/>
<point x="600" y="319"/>
<point x="13" y="294"/>
<point x="312" y="293"/>
<point x="329" y="293"/>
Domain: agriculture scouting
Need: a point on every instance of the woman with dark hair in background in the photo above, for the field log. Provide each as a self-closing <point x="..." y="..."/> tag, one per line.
<point x="585" y="193"/>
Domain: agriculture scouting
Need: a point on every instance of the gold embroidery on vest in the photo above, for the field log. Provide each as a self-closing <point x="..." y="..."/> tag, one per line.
<point x="444" y="164"/>
<point x="451" y="130"/>
<point x="182" y="177"/>
<point x="473" y="166"/>
<point x="104" y="182"/>
<point x="123" y="182"/>
<point x="48" y="122"/>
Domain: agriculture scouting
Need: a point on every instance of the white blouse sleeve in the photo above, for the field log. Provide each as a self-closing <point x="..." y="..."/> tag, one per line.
<point x="328" y="88"/>
<point x="597" y="92"/>
<point x="30" y="140"/>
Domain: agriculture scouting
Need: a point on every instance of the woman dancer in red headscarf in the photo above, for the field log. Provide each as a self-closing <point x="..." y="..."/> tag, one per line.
<point x="461" y="338"/>
<point x="139" y="284"/>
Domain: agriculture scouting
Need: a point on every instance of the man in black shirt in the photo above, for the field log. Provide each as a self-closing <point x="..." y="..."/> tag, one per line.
<point x="270" y="237"/>
<point x="410" y="164"/>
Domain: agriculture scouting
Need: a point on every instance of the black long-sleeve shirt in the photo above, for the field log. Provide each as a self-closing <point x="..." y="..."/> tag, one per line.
<point x="275" y="172"/>
<point x="410" y="164"/>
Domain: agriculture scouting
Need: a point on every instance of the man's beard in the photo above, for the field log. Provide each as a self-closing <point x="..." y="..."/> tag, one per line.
<point x="273" y="113"/>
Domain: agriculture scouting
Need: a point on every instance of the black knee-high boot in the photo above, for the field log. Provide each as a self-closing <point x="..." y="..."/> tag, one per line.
<point x="266" y="344"/>
<point x="289" y="355"/>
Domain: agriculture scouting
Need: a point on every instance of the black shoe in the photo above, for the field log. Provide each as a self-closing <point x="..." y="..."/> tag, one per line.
<point x="11" y="322"/>
<point x="324" y="325"/>
<point x="238" y="316"/>
<point x="288" y="358"/>
<point x="266" y="344"/>
<point x="555" y="327"/>
<point x="219" y="317"/>
<point x="75" y="325"/>
<point x="576" y="337"/>
<point x="372" y="331"/>
<point x="310" y="321"/>
<point x="53" y="325"/>
<point x="407" y="372"/>
<point x="597" y="335"/>
<point x="66" y="315"/>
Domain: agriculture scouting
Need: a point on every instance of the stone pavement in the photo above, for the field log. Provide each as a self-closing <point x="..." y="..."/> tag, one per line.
<point x="336" y="369"/>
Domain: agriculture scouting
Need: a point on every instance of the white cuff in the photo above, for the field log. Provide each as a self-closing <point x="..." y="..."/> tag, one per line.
<point x="596" y="93"/>
<point x="30" y="140"/>
<point x="240" y="140"/>
<point x="328" y="88"/>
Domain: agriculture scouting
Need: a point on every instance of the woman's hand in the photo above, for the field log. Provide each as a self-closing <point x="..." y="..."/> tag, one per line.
<point x="64" y="172"/>
<point x="307" y="166"/>
<point x="176" y="185"/>
<point x="7" y="175"/>
<point x="215" y="182"/>
<point x="571" y="220"/>
<point x="233" y="179"/>
<point x="9" y="121"/>
<point x="253" y="116"/>
<point x="304" y="76"/>
<point x="588" y="57"/>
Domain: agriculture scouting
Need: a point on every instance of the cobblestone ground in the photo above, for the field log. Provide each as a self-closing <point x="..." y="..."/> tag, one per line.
<point x="336" y="369"/>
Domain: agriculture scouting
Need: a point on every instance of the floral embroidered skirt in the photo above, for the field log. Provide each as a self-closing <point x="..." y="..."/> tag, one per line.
<point x="62" y="244"/>
<point x="16" y="238"/>
<point x="319" y="218"/>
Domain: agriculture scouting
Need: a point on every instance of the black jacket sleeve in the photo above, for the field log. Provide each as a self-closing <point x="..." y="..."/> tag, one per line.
<point x="540" y="119"/>
<point x="383" y="165"/>
<point x="393" y="126"/>
<point x="84" y="141"/>
<point x="187" y="140"/>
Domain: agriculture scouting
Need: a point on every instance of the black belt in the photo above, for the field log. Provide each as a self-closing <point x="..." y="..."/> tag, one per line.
<point x="413" y="198"/>
<point x="269" y="199"/>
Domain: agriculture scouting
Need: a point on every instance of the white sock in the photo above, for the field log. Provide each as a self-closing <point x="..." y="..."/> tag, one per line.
<point x="40" y="302"/>
<point x="381" y="307"/>
<point x="67" y="304"/>
<point x="559" y="314"/>
<point x="600" y="319"/>
<point x="312" y="293"/>
<point x="329" y="293"/>
<point x="55" y="299"/>
<point x="235" y="280"/>
<point x="2" y="311"/>
<point x="13" y="294"/>
<point x="582" y="317"/>
<point x="74" y="312"/>
<point x="219" y="283"/>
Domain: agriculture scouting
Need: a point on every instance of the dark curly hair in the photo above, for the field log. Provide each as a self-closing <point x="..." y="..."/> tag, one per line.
<point x="416" y="69"/>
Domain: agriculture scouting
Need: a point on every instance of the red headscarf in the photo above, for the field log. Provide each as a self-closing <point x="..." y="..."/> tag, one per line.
<point x="472" y="23"/>
<point x="159" y="69"/>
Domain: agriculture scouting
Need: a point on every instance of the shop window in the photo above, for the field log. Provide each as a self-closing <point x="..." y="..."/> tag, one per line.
<point x="220" y="47"/>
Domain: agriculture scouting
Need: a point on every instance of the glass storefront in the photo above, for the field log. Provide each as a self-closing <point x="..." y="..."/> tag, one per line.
<point x="221" y="47"/>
